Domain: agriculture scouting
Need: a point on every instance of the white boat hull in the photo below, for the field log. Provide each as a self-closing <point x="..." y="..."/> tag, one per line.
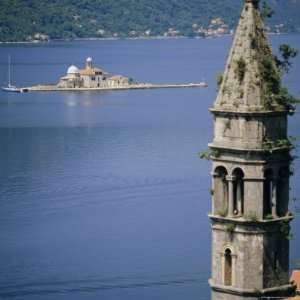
<point x="11" y="89"/>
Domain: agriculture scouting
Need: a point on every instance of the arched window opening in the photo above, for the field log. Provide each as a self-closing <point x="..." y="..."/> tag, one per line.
<point x="228" y="268"/>
<point x="268" y="192"/>
<point x="282" y="191"/>
<point x="221" y="190"/>
<point x="238" y="192"/>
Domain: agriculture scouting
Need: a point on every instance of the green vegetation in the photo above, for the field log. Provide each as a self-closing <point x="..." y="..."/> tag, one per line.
<point x="222" y="212"/>
<point x="22" y="20"/>
<point x="286" y="52"/>
<point x="285" y="229"/>
<point x="208" y="154"/>
<point x="271" y="78"/>
<point x="219" y="80"/>
<point x="266" y="10"/>
<point x="270" y="145"/>
<point x="272" y="69"/>
<point x="283" y="97"/>
<point x="240" y="69"/>
<point x="269" y="217"/>
<point x="252" y="216"/>
<point x="227" y="125"/>
<point x="230" y="228"/>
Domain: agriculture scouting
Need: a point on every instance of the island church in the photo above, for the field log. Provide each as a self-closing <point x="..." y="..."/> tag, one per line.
<point x="91" y="77"/>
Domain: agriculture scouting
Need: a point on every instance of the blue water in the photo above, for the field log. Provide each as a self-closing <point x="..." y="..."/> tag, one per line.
<point x="102" y="194"/>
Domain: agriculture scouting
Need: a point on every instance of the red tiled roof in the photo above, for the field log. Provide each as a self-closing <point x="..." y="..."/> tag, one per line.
<point x="296" y="279"/>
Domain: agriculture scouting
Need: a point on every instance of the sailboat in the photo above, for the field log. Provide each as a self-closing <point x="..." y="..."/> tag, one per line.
<point x="10" y="88"/>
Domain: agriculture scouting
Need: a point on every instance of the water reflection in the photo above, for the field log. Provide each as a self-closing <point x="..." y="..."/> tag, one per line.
<point x="102" y="194"/>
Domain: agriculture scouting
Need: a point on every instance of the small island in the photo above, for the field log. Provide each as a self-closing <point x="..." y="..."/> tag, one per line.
<point x="94" y="78"/>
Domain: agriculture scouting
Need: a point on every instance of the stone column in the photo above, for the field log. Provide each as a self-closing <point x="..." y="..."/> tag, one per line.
<point x="230" y="180"/>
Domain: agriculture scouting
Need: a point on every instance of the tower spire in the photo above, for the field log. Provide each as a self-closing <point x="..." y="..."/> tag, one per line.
<point x="251" y="77"/>
<point x="250" y="168"/>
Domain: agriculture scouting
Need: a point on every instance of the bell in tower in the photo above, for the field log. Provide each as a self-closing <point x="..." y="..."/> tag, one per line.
<point x="250" y="217"/>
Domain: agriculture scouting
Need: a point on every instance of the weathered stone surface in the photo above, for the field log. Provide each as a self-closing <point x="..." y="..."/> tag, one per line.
<point x="250" y="186"/>
<point x="243" y="87"/>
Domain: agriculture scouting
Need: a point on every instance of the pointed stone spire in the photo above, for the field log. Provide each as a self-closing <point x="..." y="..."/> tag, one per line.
<point x="251" y="76"/>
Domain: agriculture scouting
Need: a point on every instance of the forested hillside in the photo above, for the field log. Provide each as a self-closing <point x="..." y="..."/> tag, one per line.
<point x="22" y="20"/>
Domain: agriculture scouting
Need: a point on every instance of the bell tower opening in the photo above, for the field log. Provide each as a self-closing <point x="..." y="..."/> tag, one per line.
<point x="228" y="267"/>
<point x="221" y="190"/>
<point x="238" y="192"/>
<point x="283" y="187"/>
<point x="268" y="192"/>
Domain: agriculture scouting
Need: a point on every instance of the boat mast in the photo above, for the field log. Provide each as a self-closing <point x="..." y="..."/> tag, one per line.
<point x="9" y="73"/>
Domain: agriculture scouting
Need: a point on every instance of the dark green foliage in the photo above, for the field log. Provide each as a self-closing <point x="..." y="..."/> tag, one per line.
<point x="223" y="212"/>
<point x="230" y="228"/>
<point x="21" y="19"/>
<point x="240" y="69"/>
<point x="271" y="78"/>
<point x="285" y="229"/>
<point x="285" y="12"/>
<point x="253" y="43"/>
<point x="219" y="80"/>
<point x="269" y="217"/>
<point x="286" y="52"/>
<point x="270" y="145"/>
<point x="284" y="98"/>
<point x="209" y="154"/>
<point x="270" y="75"/>
<point x="272" y="70"/>
<point x="205" y="154"/>
<point x="131" y="81"/>
<point x="252" y="216"/>
<point x="266" y="10"/>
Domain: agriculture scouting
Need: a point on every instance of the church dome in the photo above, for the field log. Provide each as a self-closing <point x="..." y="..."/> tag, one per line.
<point x="73" y="70"/>
<point x="89" y="59"/>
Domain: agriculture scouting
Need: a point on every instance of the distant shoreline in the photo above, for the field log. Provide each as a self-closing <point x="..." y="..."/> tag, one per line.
<point x="112" y="39"/>
<point x="131" y="38"/>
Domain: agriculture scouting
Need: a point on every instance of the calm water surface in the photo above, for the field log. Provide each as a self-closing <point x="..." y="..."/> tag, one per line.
<point x="102" y="194"/>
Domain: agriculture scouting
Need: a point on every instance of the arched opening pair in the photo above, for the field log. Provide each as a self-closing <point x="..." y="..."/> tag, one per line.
<point x="229" y="191"/>
<point x="276" y="192"/>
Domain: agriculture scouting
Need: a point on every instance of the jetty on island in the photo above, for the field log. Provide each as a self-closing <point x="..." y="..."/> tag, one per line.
<point x="95" y="79"/>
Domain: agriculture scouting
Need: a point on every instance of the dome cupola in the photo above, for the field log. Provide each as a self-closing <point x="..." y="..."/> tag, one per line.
<point x="73" y="70"/>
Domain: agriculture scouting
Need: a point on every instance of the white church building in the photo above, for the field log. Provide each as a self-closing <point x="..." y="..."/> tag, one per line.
<point x="91" y="77"/>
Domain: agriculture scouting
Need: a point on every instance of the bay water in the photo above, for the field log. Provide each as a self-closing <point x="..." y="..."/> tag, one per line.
<point x="103" y="194"/>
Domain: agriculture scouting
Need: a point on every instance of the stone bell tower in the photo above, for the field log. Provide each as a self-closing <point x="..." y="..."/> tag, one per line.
<point x="251" y="162"/>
